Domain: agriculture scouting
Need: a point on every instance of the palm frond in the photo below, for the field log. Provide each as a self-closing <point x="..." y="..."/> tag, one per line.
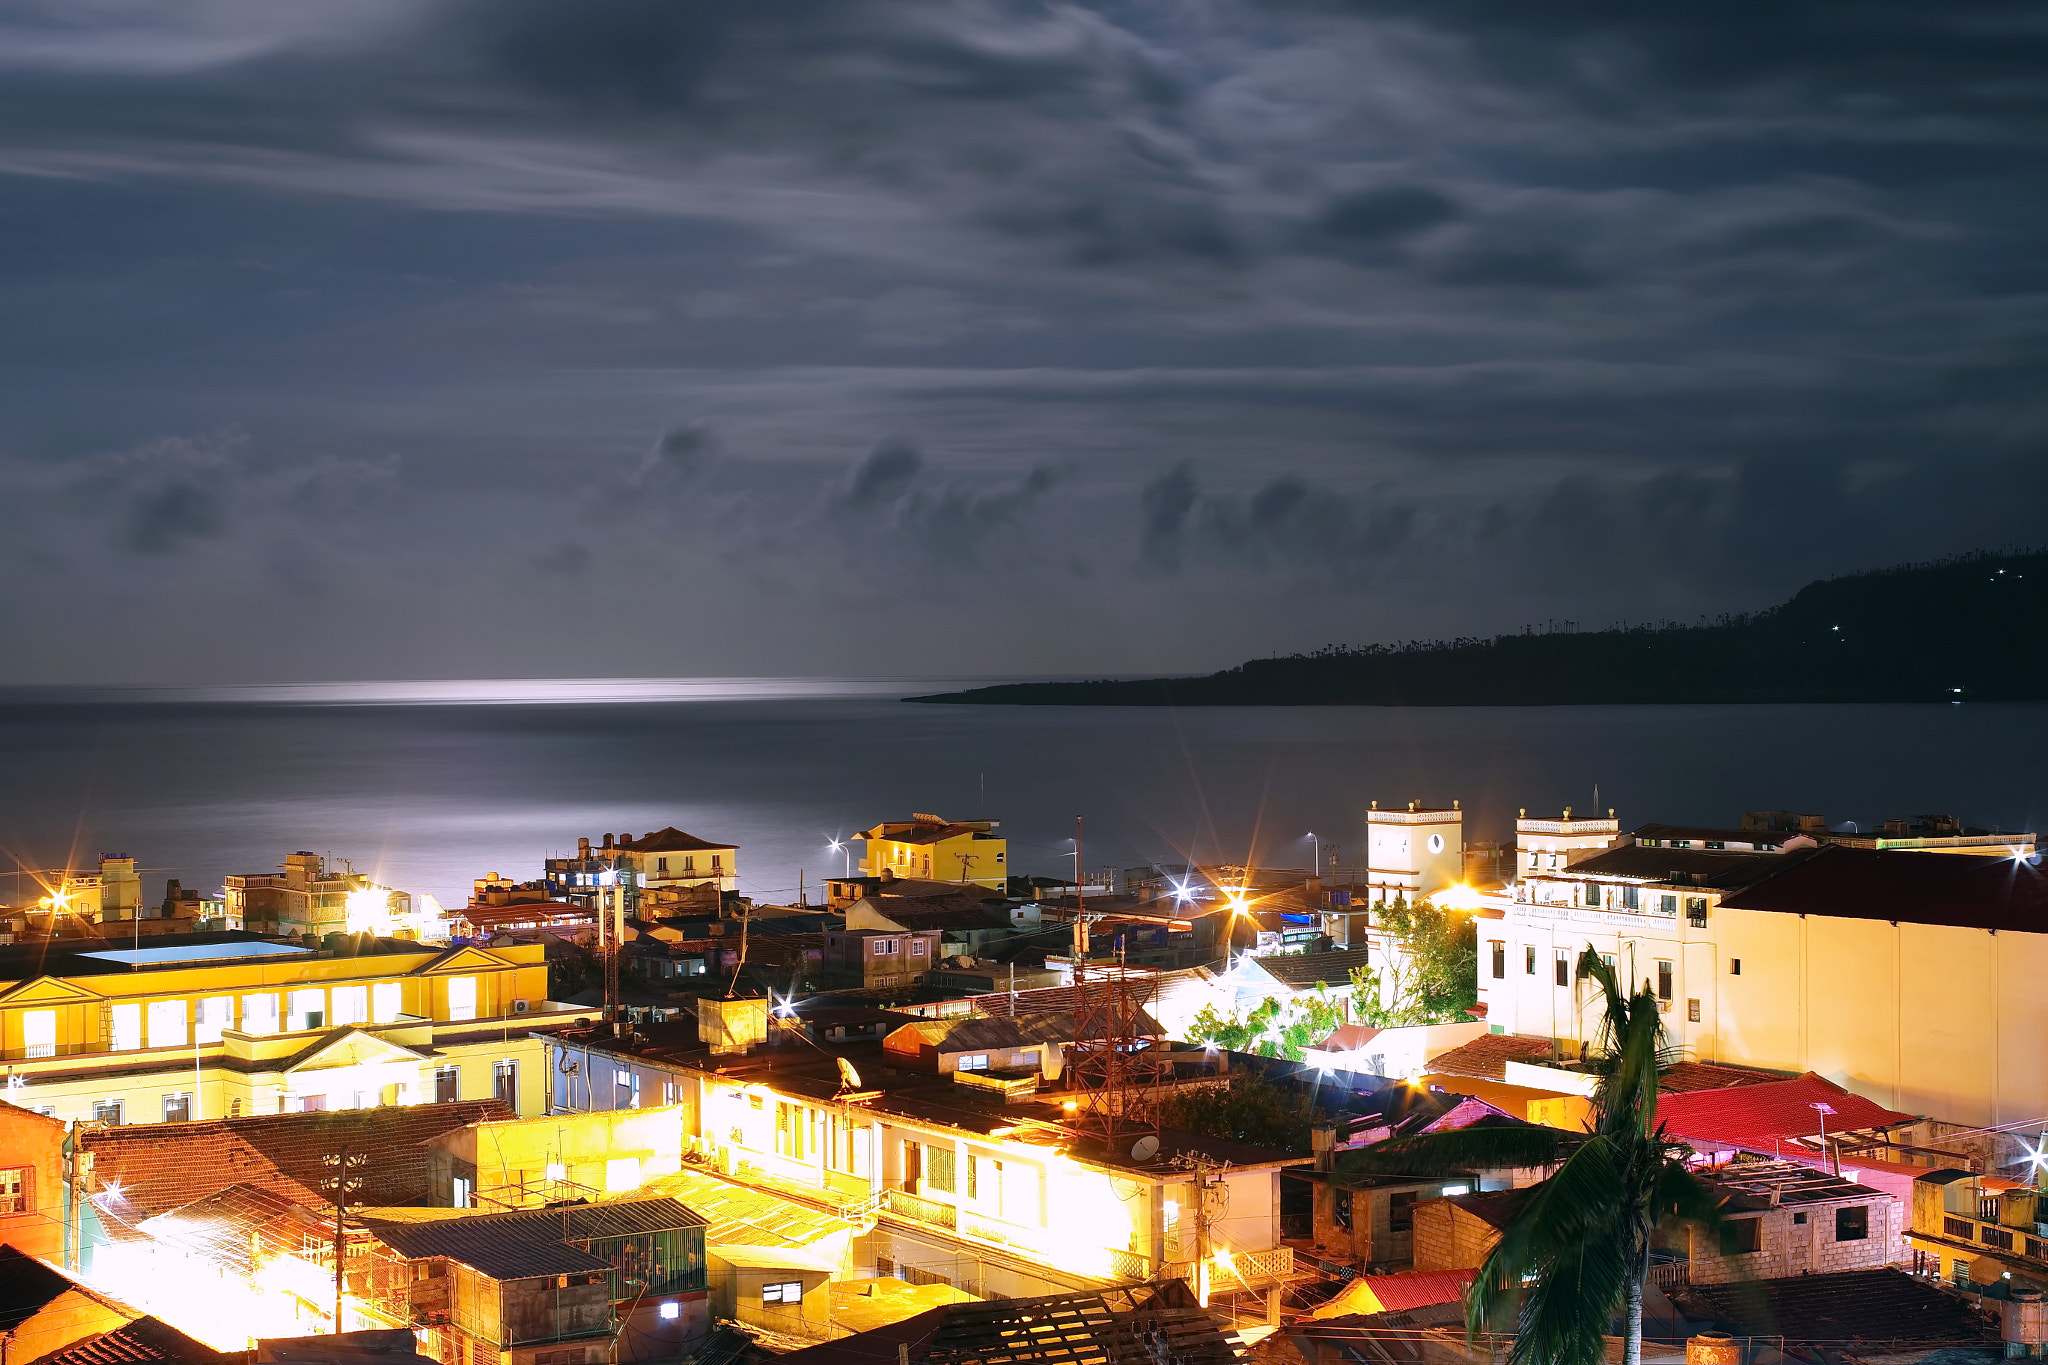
<point x="1678" y="1193"/>
<point x="1565" y="1314"/>
<point x="1457" y="1150"/>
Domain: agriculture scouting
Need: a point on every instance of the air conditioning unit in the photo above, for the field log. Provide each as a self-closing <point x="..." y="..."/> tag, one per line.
<point x="521" y="1006"/>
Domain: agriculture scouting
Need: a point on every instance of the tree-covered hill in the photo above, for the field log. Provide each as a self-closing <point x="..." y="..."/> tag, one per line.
<point x="1963" y="629"/>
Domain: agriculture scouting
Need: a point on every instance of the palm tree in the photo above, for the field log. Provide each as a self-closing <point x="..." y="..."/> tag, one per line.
<point x="1577" y="1245"/>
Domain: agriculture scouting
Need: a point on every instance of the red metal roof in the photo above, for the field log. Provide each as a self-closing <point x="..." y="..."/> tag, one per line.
<point x="1759" y="1116"/>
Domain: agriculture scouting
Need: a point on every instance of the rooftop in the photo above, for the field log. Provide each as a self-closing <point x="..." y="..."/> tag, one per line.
<point x="529" y="1243"/>
<point x="1761" y="1116"/>
<point x="162" y="1166"/>
<point x="745" y="1215"/>
<point x="1306" y="971"/>
<point x="1674" y="866"/>
<point x="1906" y="888"/>
<point x="1866" y="1306"/>
<point x="1767" y="1184"/>
<point x="1760" y="838"/>
<point x="672" y="840"/>
<point x="1138" y="1325"/>
<point x="141" y="1342"/>
<point x="1485" y="1058"/>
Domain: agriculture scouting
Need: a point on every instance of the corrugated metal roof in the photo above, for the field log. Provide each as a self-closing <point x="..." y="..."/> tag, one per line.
<point x="530" y="1242"/>
<point x="1305" y="971"/>
<point x="1760" y="1116"/>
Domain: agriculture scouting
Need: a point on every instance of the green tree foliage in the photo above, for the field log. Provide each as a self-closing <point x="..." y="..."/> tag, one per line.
<point x="1269" y="1028"/>
<point x="1576" y="1249"/>
<point x="1251" y="1109"/>
<point x="1434" y="980"/>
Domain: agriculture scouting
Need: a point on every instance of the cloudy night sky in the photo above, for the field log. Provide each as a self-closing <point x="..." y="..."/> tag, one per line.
<point x="442" y="339"/>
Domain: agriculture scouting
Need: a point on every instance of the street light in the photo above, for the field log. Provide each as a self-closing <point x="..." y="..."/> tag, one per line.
<point x="1319" y="852"/>
<point x="837" y="847"/>
<point x="1824" y="1109"/>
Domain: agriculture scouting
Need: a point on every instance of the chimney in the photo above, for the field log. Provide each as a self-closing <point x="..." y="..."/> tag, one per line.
<point x="1322" y="1141"/>
<point x="607" y="843"/>
<point x="583" y="849"/>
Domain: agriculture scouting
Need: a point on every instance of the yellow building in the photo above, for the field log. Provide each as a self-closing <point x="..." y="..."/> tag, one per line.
<point x="229" y="1024"/>
<point x="931" y="848"/>
<point x="1910" y="978"/>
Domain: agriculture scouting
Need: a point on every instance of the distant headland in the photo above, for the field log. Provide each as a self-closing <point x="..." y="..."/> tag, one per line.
<point x="1965" y="629"/>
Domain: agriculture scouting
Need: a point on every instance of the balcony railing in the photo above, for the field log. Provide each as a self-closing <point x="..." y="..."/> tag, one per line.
<point x="923" y="1210"/>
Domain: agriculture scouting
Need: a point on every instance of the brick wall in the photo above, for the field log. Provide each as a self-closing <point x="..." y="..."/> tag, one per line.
<point x="1450" y="1238"/>
<point x="1790" y="1247"/>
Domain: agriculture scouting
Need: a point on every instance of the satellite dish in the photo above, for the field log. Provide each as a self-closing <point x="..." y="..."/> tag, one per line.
<point x="847" y="1075"/>
<point x="1144" y="1149"/>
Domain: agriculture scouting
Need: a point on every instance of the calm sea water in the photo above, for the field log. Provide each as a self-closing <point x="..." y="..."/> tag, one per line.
<point x="429" y="785"/>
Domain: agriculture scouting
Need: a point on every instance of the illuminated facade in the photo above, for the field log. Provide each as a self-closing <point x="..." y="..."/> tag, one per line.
<point x="1413" y="853"/>
<point x="224" y="1025"/>
<point x="1907" y="977"/>
<point x="932" y="848"/>
<point x="305" y="896"/>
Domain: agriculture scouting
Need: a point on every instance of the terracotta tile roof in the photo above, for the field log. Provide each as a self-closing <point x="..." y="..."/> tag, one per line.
<point x="1850" y="1306"/>
<point x="1485" y="1058"/>
<point x="1685" y="1076"/>
<point x="161" y="1166"/>
<point x="142" y="1342"/>
<point x="1760" y="1116"/>
<point x="1961" y="891"/>
<point x="672" y="840"/>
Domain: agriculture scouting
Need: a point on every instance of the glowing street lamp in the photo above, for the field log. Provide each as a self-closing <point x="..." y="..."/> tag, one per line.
<point x="838" y="847"/>
<point x="1319" y="852"/>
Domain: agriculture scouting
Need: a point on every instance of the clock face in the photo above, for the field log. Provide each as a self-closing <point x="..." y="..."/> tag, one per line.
<point x="1436" y="843"/>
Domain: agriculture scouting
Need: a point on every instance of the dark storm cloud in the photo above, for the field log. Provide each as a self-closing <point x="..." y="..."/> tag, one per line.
<point x="1236" y="312"/>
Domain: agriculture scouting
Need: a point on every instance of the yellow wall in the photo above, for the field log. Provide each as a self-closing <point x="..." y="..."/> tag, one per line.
<point x="87" y="1067"/>
<point x="961" y="859"/>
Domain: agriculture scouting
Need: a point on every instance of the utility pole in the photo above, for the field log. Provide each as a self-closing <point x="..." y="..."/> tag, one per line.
<point x="341" y="1182"/>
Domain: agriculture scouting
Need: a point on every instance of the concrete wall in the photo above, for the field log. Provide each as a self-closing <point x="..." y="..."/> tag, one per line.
<point x="1790" y="1247"/>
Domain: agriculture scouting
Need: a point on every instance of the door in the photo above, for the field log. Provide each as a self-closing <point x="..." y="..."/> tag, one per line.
<point x="913" y="1166"/>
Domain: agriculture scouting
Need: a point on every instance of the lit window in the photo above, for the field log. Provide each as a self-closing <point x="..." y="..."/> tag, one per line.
<point x="789" y="1291"/>
<point x="259" y="1014"/>
<point x="39" y="1033"/>
<point x="387" y="1001"/>
<point x="462" y="997"/>
<point x="671" y="1310"/>
<point x="166" y="1023"/>
<point x="917" y="947"/>
<point x="14" y="1190"/>
<point x="977" y="1062"/>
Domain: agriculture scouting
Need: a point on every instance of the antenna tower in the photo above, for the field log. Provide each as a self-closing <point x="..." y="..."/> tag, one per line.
<point x="1113" y="1069"/>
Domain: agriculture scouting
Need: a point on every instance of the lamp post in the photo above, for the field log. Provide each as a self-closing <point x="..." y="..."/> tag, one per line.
<point x="1319" y="852"/>
<point x="837" y="847"/>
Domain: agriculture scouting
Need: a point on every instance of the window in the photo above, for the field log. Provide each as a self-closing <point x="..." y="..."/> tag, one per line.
<point x="938" y="1169"/>
<point x="689" y="863"/>
<point x="973" y="1177"/>
<point x="1692" y="1011"/>
<point x="1340" y="1209"/>
<point x="1852" y="1224"/>
<point x="1564" y="967"/>
<point x="1681" y="843"/>
<point x="661" y="864"/>
<point x="462" y="997"/>
<point x="259" y="1014"/>
<point x="917" y="946"/>
<point x="177" y="1108"/>
<point x="1401" y="1211"/>
<point x="1992" y="1237"/>
<point x="885" y="947"/>
<point x="671" y="1092"/>
<point x="1631" y="898"/>
<point x="1668" y="904"/>
<point x="1696" y="911"/>
<point x="106" y="1111"/>
<point x="1663" y="979"/>
<point x="1500" y="958"/>
<point x="448" y="1086"/>
<point x="976" y="1062"/>
<point x="305" y="1010"/>
<point x="788" y="1291"/>
<point x="126" y="1022"/>
<point x="717" y="861"/>
<point x="1740" y="1236"/>
<point x="459" y="1193"/>
<point x="1735" y="966"/>
<point x="505" y="1083"/>
<point x="216" y="1016"/>
<point x="14" y="1190"/>
<point x="1799" y="1218"/>
<point x="166" y="1023"/>
<point x="39" y="1033"/>
<point x="1715" y="843"/>
<point x="1593" y="893"/>
<point x="387" y="1002"/>
<point x="351" y="1004"/>
<point x="1529" y="959"/>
